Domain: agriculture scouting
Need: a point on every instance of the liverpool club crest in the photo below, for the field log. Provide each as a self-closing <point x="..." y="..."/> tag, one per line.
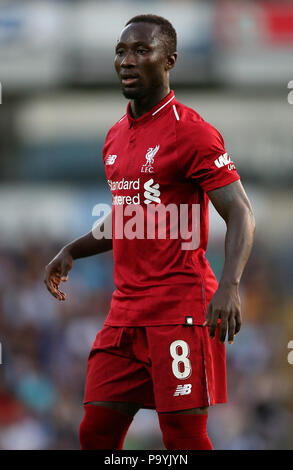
<point x="148" y="166"/>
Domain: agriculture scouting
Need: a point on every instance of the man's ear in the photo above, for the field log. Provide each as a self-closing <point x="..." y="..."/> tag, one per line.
<point x="171" y="61"/>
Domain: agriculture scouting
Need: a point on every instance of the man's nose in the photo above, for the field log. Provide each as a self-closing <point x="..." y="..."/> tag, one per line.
<point x="128" y="60"/>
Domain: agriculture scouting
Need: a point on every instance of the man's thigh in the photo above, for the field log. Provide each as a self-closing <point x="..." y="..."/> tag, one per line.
<point x="188" y="368"/>
<point x="115" y="372"/>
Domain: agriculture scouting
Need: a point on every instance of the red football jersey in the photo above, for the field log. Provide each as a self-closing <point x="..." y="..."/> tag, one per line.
<point x="168" y="156"/>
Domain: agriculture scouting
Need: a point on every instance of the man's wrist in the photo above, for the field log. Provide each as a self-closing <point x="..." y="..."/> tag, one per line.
<point x="229" y="283"/>
<point x="67" y="250"/>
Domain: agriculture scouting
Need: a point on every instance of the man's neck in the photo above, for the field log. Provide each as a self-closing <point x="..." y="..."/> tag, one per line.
<point x="143" y="105"/>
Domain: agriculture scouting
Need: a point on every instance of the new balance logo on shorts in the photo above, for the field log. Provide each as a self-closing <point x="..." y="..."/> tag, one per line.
<point x="183" y="390"/>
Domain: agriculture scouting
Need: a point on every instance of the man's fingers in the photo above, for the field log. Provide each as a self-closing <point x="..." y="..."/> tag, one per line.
<point x="211" y="320"/>
<point x="55" y="273"/>
<point x="208" y="316"/>
<point x="229" y="321"/>
<point x="58" y="294"/>
<point x="64" y="272"/>
<point x="52" y="275"/>
<point x="231" y="329"/>
<point x="55" y="278"/>
<point x="223" y="327"/>
<point x="214" y="323"/>
<point x="213" y="328"/>
<point x="237" y="322"/>
<point x="55" y="292"/>
<point x="53" y="289"/>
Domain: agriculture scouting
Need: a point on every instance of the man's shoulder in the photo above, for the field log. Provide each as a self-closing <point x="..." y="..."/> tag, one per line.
<point x="188" y="114"/>
<point x="191" y="123"/>
<point x="120" y="124"/>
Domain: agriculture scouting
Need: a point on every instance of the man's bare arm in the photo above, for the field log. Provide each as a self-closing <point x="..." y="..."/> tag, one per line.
<point x="87" y="245"/>
<point x="232" y="203"/>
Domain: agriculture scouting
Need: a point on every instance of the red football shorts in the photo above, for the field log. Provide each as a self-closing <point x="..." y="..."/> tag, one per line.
<point x="168" y="368"/>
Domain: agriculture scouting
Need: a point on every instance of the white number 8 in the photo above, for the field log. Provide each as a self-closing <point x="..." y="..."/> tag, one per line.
<point x="182" y="358"/>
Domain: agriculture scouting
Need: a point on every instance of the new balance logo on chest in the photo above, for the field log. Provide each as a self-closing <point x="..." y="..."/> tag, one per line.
<point x="111" y="159"/>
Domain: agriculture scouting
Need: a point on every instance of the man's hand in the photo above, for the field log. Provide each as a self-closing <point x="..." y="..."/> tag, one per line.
<point x="57" y="271"/>
<point x="87" y="245"/>
<point x="225" y="305"/>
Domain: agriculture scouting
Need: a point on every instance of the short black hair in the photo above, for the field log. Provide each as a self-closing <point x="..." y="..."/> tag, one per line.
<point x="167" y="29"/>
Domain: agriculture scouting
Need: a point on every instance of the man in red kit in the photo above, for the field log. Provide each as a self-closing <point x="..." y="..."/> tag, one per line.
<point x="162" y="345"/>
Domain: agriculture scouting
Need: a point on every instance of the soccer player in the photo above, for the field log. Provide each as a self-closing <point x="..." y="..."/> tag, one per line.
<point x="163" y="342"/>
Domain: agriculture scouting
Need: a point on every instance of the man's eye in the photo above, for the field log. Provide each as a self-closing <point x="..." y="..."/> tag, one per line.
<point x="119" y="52"/>
<point x="141" y="51"/>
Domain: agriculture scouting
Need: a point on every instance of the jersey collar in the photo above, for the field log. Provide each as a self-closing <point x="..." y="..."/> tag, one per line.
<point x="153" y="112"/>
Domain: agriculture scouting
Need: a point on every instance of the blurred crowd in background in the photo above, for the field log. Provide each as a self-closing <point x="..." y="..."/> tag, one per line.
<point x="59" y="97"/>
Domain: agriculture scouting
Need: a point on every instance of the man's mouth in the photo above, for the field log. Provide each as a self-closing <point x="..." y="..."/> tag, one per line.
<point x="129" y="79"/>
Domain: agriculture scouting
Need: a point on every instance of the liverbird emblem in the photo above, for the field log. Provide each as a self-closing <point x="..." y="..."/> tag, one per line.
<point x="148" y="166"/>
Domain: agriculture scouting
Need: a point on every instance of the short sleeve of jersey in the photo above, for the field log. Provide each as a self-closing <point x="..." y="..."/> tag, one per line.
<point x="203" y="157"/>
<point x="108" y="140"/>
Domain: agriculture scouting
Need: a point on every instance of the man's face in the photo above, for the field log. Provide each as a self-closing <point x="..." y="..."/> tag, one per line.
<point x="140" y="60"/>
